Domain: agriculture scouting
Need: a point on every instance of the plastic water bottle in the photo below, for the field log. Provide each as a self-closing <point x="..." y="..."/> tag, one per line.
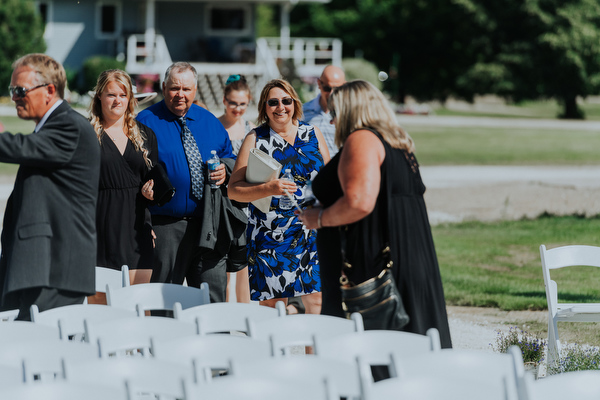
<point x="212" y="164"/>
<point x="284" y="202"/>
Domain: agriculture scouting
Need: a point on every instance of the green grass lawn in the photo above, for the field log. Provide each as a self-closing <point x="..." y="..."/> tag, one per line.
<point x="547" y="109"/>
<point x="504" y="146"/>
<point x="498" y="264"/>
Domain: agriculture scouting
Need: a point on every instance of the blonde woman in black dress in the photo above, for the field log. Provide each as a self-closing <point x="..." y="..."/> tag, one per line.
<point x="373" y="186"/>
<point x="128" y="151"/>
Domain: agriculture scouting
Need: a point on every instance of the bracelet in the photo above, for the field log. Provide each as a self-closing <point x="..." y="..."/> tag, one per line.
<point x="319" y="224"/>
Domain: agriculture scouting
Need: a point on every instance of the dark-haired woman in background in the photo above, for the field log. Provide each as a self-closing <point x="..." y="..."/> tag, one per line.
<point x="236" y="97"/>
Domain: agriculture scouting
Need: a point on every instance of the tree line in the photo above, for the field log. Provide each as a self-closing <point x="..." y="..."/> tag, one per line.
<point x="434" y="49"/>
<point x="431" y="49"/>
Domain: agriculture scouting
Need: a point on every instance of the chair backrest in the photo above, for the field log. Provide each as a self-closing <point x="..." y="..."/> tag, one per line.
<point x="61" y="390"/>
<point x="374" y="347"/>
<point x="133" y="335"/>
<point x="42" y="358"/>
<point x="25" y="330"/>
<point x="497" y="369"/>
<point x="340" y="375"/>
<point x="580" y="385"/>
<point x="111" y="277"/>
<point x="433" y="388"/>
<point x="69" y="319"/>
<point x="9" y="315"/>
<point x="301" y="329"/>
<point x="565" y="256"/>
<point x="11" y="375"/>
<point x="235" y="388"/>
<point x="210" y="351"/>
<point x="223" y="317"/>
<point x="144" y="375"/>
<point x="157" y="296"/>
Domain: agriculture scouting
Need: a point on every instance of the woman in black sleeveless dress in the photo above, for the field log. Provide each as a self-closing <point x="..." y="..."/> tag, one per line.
<point x="375" y="167"/>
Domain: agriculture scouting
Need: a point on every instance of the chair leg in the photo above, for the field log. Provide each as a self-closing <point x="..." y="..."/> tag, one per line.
<point x="553" y="346"/>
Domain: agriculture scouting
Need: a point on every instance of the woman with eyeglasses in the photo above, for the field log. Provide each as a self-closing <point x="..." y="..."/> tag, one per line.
<point x="373" y="187"/>
<point x="236" y="97"/>
<point x="128" y="151"/>
<point x="282" y="254"/>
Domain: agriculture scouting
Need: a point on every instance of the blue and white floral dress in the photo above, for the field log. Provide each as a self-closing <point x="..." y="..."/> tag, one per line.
<point x="282" y="254"/>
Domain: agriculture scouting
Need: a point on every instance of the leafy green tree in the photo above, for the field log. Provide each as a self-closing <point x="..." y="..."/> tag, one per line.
<point x="433" y="49"/>
<point x="21" y="32"/>
<point x="537" y="49"/>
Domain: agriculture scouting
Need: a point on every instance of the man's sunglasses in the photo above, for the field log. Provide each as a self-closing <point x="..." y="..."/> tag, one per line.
<point x="287" y="101"/>
<point x="20" y="92"/>
<point x="325" y="88"/>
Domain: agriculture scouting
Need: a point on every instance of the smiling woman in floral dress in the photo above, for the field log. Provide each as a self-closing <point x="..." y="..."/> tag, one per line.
<point x="282" y="254"/>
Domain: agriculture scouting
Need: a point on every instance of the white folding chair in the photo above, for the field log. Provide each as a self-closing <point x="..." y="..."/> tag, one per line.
<point x="301" y="329"/>
<point x="25" y="330"/>
<point x="210" y="352"/>
<point x="340" y="375"/>
<point x="224" y="317"/>
<point x="236" y="388"/>
<point x="157" y="296"/>
<point x="69" y="319"/>
<point x="561" y="257"/>
<point x="41" y="359"/>
<point x="433" y="388"/>
<point x="9" y="315"/>
<point x="111" y="277"/>
<point x="145" y="376"/>
<point x="133" y="336"/>
<point x="496" y="369"/>
<point x="61" y="390"/>
<point x="374" y="347"/>
<point x="11" y="375"/>
<point x="580" y="385"/>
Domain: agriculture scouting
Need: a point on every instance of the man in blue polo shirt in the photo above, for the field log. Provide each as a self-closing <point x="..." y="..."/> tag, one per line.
<point x="186" y="134"/>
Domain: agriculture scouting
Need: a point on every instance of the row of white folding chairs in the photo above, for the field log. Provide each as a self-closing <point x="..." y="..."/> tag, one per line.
<point x="219" y="351"/>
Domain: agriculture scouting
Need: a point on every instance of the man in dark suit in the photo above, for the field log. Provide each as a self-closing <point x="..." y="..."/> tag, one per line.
<point x="49" y="232"/>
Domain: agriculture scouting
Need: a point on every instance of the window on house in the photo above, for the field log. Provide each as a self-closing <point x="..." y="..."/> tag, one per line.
<point x="108" y="15"/>
<point x="229" y="21"/>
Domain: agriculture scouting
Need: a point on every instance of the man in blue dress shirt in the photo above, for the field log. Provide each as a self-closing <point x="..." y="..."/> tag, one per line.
<point x="178" y="223"/>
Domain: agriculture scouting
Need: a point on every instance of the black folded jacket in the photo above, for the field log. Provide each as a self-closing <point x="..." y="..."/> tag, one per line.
<point x="163" y="189"/>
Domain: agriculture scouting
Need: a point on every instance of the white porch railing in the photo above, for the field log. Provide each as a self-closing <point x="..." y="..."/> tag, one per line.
<point x="310" y="55"/>
<point x="142" y="59"/>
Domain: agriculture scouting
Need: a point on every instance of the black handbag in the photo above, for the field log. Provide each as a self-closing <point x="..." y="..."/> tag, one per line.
<point x="377" y="299"/>
<point x="163" y="189"/>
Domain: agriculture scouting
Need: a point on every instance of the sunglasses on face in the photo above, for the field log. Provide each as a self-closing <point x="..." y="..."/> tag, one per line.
<point x="20" y="92"/>
<point x="325" y="88"/>
<point x="287" y="101"/>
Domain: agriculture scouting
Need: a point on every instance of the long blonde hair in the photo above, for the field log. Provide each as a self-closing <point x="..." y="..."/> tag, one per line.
<point x="360" y="105"/>
<point x="132" y="130"/>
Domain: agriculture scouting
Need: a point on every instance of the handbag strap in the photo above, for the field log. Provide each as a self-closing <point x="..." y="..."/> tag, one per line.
<point x="385" y="252"/>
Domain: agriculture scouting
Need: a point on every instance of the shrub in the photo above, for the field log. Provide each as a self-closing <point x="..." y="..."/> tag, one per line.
<point x="576" y="358"/>
<point x="93" y="66"/>
<point x="359" y="68"/>
<point x="532" y="347"/>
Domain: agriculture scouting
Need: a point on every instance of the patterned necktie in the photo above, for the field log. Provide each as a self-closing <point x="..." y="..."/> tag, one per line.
<point x="194" y="159"/>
